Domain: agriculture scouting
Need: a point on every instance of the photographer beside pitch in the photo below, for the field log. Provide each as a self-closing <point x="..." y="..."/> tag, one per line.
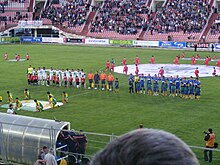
<point x="210" y="144"/>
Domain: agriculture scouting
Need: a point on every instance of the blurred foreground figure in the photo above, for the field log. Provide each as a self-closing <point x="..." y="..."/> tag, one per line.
<point x="146" y="147"/>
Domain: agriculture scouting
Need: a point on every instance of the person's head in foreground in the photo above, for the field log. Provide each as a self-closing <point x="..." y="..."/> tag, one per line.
<point x="146" y="147"/>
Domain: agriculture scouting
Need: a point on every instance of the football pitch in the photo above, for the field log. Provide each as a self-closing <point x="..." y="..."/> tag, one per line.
<point x="109" y="112"/>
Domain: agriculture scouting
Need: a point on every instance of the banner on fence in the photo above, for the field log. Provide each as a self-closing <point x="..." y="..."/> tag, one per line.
<point x="96" y="41"/>
<point x="10" y="39"/>
<point x="52" y="40"/>
<point x="171" y="44"/>
<point x="121" y="42"/>
<point x="217" y="46"/>
<point x="199" y="45"/>
<point x="145" y="43"/>
<point x="31" y="39"/>
<point x="74" y="40"/>
<point x="30" y="23"/>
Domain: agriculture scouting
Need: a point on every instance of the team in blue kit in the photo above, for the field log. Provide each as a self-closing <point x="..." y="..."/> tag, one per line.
<point x="187" y="88"/>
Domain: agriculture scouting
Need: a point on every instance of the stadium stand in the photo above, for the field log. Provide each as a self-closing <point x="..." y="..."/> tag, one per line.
<point x="67" y="14"/>
<point x="120" y="19"/>
<point x="213" y="34"/>
<point x="13" y="11"/>
<point x="181" y="20"/>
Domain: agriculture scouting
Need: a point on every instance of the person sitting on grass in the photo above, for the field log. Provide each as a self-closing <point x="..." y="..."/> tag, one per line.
<point x="48" y="95"/>
<point x="65" y="97"/>
<point x="39" y="106"/>
<point x="53" y="102"/>
<point x="18" y="104"/>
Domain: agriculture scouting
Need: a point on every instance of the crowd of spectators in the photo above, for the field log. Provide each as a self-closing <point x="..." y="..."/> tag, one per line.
<point x="215" y="28"/>
<point x="182" y="15"/>
<point x="70" y="14"/>
<point x="14" y="17"/>
<point x="123" y="17"/>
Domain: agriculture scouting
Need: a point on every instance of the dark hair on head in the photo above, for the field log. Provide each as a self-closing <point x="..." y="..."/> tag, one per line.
<point x="35" y="100"/>
<point x="210" y="130"/>
<point x="44" y="147"/>
<point x="146" y="147"/>
<point x="16" y="98"/>
<point x="48" y="92"/>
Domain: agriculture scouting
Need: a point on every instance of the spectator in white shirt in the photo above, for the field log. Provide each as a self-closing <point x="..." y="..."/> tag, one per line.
<point x="50" y="158"/>
<point x="10" y="109"/>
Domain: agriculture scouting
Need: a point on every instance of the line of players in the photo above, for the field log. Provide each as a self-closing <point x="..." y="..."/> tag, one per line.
<point x="71" y="78"/>
<point x="51" y="77"/>
<point x="172" y="86"/>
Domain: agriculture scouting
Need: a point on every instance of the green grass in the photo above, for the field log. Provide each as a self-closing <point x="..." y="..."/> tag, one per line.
<point x="104" y="112"/>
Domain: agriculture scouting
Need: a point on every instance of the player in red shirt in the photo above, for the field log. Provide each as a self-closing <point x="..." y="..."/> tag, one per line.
<point x="112" y="67"/>
<point x="17" y="57"/>
<point x="214" y="57"/>
<point x="48" y="80"/>
<point x="152" y="60"/>
<point x="125" y="69"/>
<point x="206" y="61"/>
<point x="124" y="61"/>
<point x="107" y="65"/>
<point x="218" y="63"/>
<point x="161" y="72"/>
<point x="137" y="69"/>
<point x="65" y="79"/>
<point x="27" y="56"/>
<point x="34" y="79"/>
<point x="77" y="82"/>
<point x="58" y="80"/>
<point x="83" y="80"/>
<point x="197" y="72"/>
<point x="54" y="79"/>
<point x="137" y="60"/>
<point x="193" y="60"/>
<point x="183" y="55"/>
<point x="6" y="56"/>
<point x="214" y="72"/>
<point x="176" y="61"/>
<point x="71" y="81"/>
<point x="198" y="56"/>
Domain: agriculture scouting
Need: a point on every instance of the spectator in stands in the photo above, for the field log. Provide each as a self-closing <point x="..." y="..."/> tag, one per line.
<point x="41" y="156"/>
<point x="148" y="147"/>
<point x="50" y="158"/>
<point x="82" y="143"/>
<point x="71" y="14"/>
<point x="120" y="16"/>
<point x="182" y="15"/>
